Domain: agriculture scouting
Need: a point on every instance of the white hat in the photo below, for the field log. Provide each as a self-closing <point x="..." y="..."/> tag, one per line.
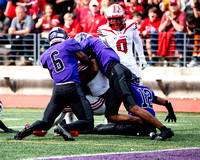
<point x="94" y="3"/>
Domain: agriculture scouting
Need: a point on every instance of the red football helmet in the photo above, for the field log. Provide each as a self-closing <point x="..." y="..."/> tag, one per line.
<point x="115" y="16"/>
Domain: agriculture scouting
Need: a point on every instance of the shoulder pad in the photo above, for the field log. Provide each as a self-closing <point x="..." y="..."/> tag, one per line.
<point x="104" y="30"/>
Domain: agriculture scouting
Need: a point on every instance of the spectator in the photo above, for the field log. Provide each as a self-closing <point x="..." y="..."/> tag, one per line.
<point x="128" y="15"/>
<point x="5" y="4"/>
<point x="137" y="17"/>
<point x="193" y="8"/>
<point x="82" y="12"/>
<point x="61" y="7"/>
<point x="165" y="5"/>
<point x="71" y="25"/>
<point x="194" y="36"/>
<point x="21" y="40"/>
<point x="133" y="5"/>
<point x="155" y="3"/>
<point x="149" y="30"/>
<point x="172" y="22"/>
<point x="10" y="11"/>
<point x="31" y="7"/>
<point x="104" y="6"/>
<point x="4" y="23"/>
<point x="46" y="22"/>
<point x="94" y="20"/>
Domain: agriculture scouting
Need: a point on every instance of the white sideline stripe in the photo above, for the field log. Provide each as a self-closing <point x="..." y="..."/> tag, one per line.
<point x="84" y="155"/>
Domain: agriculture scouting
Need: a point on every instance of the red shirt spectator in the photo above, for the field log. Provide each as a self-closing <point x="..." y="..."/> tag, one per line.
<point x="71" y="25"/>
<point x="48" y="20"/>
<point x="11" y="11"/>
<point x="82" y="12"/>
<point x="133" y="5"/>
<point x="94" y="20"/>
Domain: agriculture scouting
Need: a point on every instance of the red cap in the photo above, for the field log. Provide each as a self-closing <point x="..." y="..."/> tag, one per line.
<point x="172" y="2"/>
<point x="122" y="4"/>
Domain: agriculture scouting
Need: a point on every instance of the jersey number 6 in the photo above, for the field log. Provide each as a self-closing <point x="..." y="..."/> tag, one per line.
<point x="58" y="63"/>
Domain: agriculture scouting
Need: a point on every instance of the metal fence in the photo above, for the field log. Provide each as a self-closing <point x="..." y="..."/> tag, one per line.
<point x="38" y="45"/>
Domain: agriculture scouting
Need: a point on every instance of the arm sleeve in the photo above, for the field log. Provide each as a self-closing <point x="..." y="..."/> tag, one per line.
<point x="138" y="44"/>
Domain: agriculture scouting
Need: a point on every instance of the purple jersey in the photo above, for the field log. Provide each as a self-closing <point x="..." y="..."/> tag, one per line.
<point x="144" y="97"/>
<point x="104" y="54"/>
<point x="61" y="61"/>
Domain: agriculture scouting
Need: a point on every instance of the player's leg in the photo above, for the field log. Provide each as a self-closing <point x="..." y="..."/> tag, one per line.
<point x="120" y="77"/>
<point x="53" y="109"/>
<point x="81" y="108"/>
<point x="113" y="102"/>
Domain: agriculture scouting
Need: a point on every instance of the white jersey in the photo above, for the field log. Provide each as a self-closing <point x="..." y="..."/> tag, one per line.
<point x="122" y="42"/>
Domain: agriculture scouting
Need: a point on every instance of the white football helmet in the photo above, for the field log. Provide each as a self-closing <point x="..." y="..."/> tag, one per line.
<point x="113" y="12"/>
<point x="1" y="108"/>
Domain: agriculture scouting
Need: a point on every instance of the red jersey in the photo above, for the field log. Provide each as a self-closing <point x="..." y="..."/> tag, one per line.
<point x="149" y="26"/>
<point x="93" y="22"/>
<point x="81" y="14"/>
<point x="74" y="29"/>
<point x="180" y="19"/>
<point x="45" y="25"/>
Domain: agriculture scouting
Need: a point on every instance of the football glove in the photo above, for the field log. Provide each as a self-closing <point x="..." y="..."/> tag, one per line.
<point x="143" y="63"/>
<point x="171" y="116"/>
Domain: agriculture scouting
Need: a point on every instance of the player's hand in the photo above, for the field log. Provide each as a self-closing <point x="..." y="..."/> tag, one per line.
<point x="171" y="116"/>
<point x="143" y="63"/>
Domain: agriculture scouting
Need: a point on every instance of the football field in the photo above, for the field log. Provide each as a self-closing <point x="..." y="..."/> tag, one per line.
<point x="184" y="145"/>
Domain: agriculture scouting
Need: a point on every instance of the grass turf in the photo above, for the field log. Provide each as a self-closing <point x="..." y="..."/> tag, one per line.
<point x="187" y="135"/>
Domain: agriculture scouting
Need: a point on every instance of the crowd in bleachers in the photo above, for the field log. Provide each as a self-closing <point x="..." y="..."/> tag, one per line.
<point x="160" y="23"/>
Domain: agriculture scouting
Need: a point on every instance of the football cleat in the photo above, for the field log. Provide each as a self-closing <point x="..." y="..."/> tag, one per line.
<point x="28" y="130"/>
<point x="66" y="135"/>
<point x="40" y="133"/>
<point x="167" y="133"/>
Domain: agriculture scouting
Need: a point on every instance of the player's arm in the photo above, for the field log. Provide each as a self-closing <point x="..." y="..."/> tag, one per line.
<point x="139" y="49"/>
<point x="82" y="57"/>
<point x="50" y="74"/>
<point x="171" y="116"/>
<point x="88" y="74"/>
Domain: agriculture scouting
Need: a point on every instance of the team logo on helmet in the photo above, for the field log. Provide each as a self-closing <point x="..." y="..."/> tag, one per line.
<point x="115" y="11"/>
<point x="57" y="35"/>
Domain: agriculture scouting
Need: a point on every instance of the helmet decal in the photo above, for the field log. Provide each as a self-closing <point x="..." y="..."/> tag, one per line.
<point x="57" y="35"/>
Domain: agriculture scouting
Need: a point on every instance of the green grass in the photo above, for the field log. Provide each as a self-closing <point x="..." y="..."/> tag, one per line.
<point x="187" y="135"/>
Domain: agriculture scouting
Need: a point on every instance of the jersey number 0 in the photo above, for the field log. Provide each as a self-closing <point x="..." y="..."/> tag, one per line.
<point x="122" y="45"/>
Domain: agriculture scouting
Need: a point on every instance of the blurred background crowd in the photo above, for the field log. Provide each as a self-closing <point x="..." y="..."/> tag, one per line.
<point x="168" y="28"/>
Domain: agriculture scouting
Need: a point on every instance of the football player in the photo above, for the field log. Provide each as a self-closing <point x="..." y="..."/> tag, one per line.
<point x="120" y="35"/>
<point x="60" y="60"/>
<point x="119" y="78"/>
<point x="145" y="98"/>
<point x="2" y="125"/>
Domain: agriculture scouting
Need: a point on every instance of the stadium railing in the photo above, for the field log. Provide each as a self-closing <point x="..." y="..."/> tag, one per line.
<point x="40" y="45"/>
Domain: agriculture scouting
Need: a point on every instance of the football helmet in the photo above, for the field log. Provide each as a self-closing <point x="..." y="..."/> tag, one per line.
<point x="1" y="108"/>
<point x="57" y="35"/>
<point x="116" y="12"/>
<point x="81" y="36"/>
<point x="135" y="79"/>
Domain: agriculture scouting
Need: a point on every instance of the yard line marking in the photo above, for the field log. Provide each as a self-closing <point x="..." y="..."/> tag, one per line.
<point x="94" y="144"/>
